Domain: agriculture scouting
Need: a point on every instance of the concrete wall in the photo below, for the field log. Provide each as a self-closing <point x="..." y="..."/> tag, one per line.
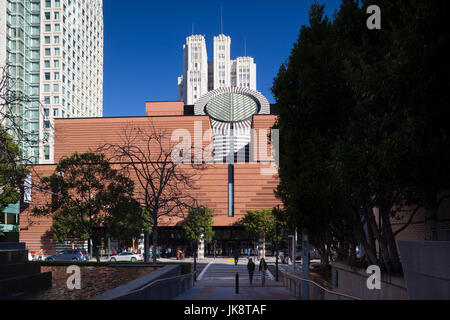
<point x="351" y="285"/>
<point x="353" y="281"/>
<point x="294" y="284"/>
<point x="163" y="290"/>
<point x="426" y="265"/>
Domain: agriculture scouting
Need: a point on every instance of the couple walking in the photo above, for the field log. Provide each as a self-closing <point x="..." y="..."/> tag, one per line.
<point x="262" y="270"/>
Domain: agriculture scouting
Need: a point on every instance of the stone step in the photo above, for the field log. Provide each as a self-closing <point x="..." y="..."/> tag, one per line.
<point x="12" y="270"/>
<point x="13" y="256"/>
<point x="16" y="286"/>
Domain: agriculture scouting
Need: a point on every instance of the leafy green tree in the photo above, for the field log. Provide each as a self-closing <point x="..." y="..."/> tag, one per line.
<point x="127" y="219"/>
<point x="312" y="103"/>
<point x="12" y="173"/>
<point x="417" y="80"/>
<point x="361" y="119"/>
<point x="198" y="224"/>
<point x="89" y="195"/>
<point x="260" y="224"/>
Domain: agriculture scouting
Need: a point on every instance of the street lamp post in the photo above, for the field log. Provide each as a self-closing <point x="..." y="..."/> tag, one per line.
<point x="195" y="246"/>
<point x="305" y="266"/>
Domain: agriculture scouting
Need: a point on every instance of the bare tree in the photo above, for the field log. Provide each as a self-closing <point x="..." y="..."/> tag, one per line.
<point x="163" y="186"/>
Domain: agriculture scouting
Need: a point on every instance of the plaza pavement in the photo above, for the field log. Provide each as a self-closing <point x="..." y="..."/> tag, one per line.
<point x="217" y="278"/>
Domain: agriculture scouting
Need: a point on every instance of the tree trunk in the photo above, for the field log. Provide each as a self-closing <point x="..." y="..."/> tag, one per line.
<point x="323" y="251"/>
<point x="430" y="204"/>
<point x="95" y="249"/>
<point x="264" y="245"/>
<point x="370" y="218"/>
<point x="361" y="237"/>
<point x="155" y="238"/>
<point x="146" y="246"/>
<point x="385" y="209"/>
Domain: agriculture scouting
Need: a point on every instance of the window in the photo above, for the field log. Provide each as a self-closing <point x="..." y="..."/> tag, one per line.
<point x="56" y="15"/>
<point x="47" y="152"/>
<point x="47" y="124"/>
<point x="48" y="28"/>
<point x="47" y="76"/>
<point x="57" y="27"/>
<point x="57" y="4"/>
<point x="55" y="112"/>
<point x="56" y="100"/>
<point x="55" y="63"/>
<point x="47" y="51"/>
<point x="47" y="63"/>
<point x="56" y="88"/>
<point x="56" y="76"/>
<point x="47" y="100"/>
<point x="48" y="3"/>
<point x="56" y="39"/>
<point x="46" y="88"/>
<point x="47" y="16"/>
<point x="46" y="112"/>
<point x="56" y="51"/>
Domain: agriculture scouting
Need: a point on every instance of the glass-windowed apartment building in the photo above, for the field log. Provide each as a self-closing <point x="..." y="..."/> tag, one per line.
<point x="20" y="55"/>
<point x="52" y="54"/>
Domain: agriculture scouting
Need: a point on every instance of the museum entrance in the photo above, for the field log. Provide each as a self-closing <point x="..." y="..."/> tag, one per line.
<point x="228" y="239"/>
<point x="225" y="241"/>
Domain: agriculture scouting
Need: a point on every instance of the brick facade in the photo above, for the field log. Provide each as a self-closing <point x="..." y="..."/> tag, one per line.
<point x="253" y="190"/>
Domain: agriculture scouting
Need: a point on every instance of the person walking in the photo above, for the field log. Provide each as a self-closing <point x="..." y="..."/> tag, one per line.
<point x="40" y="254"/>
<point x="178" y="254"/>
<point x="248" y="253"/>
<point x="236" y="257"/>
<point x="262" y="270"/>
<point x="251" y="269"/>
<point x="257" y="253"/>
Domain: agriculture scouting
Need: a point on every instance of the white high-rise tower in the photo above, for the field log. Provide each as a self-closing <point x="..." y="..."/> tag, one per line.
<point x="243" y="73"/>
<point x="222" y="64"/>
<point x="194" y="82"/>
<point x="71" y="64"/>
<point x="200" y="75"/>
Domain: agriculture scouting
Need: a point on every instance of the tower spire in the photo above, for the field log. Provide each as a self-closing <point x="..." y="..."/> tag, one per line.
<point x="245" y="46"/>
<point x="221" y="20"/>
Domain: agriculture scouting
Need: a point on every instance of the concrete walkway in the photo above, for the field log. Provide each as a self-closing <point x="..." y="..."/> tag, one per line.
<point x="217" y="281"/>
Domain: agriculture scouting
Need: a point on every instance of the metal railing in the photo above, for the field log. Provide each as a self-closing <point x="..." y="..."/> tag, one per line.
<point x="141" y="289"/>
<point x="287" y="276"/>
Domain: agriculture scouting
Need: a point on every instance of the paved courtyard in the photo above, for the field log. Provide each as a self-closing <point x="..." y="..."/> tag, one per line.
<point x="217" y="281"/>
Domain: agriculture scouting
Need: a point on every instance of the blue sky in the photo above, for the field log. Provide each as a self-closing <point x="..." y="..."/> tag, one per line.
<point x="144" y="40"/>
